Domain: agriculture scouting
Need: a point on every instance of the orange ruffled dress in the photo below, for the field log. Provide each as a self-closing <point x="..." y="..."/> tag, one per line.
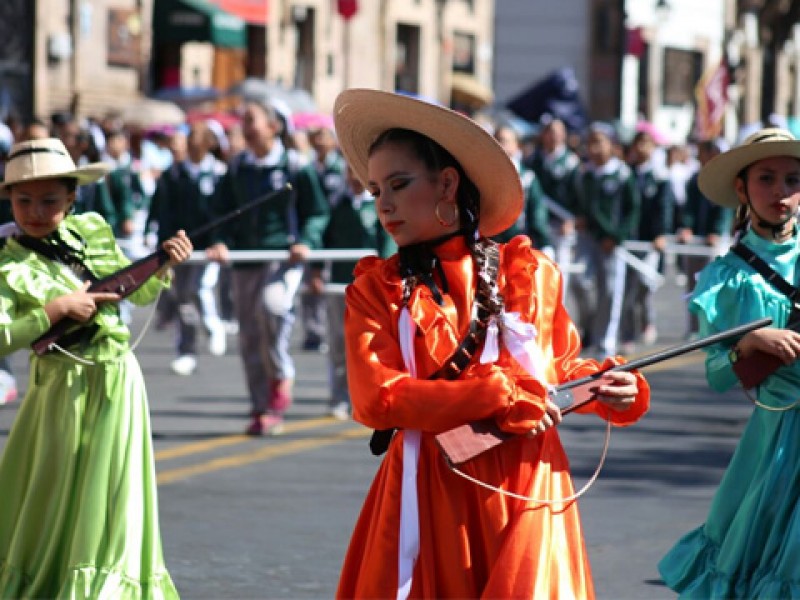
<point x="473" y="542"/>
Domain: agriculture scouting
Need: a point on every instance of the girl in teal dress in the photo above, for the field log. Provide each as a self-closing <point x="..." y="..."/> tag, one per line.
<point x="78" y="507"/>
<point x="749" y="546"/>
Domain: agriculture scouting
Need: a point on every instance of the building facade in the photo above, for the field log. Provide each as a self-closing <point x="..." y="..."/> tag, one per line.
<point x="632" y="59"/>
<point x="92" y="56"/>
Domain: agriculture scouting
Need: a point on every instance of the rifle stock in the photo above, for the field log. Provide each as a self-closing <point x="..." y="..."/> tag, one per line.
<point x="130" y="278"/>
<point x="123" y="282"/>
<point x="754" y="369"/>
<point x="462" y="443"/>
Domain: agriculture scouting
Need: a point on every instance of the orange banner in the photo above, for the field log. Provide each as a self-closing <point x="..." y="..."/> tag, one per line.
<point x="252" y="11"/>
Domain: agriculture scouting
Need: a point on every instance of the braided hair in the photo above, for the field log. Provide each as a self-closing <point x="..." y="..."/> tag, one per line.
<point x="436" y="158"/>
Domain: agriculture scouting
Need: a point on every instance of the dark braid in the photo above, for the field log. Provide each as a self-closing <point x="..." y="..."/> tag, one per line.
<point x="741" y="218"/>
<point x="487" y="290"/>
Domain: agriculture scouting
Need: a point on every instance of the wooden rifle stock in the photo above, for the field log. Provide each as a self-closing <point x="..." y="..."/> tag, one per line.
<point x="130" y="278"/>
<point x="462" y="443"/>
<point x="754" y="369"/>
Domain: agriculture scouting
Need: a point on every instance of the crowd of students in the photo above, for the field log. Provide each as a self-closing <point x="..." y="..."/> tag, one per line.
<point x="585" y="196"/>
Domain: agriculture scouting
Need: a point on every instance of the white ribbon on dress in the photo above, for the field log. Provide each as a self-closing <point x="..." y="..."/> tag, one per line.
<point x="519" y="338"/>
<point x="408" y="550"/>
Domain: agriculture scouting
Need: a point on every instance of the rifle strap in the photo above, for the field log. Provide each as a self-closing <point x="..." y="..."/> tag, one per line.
<point x="770" y="275"/>
<point x="58" y="251"/>
<point x="460" y="359"/>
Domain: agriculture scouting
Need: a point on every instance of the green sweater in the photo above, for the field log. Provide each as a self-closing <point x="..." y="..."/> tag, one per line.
<point x="298" y="217"/>
<point x="610" y="201"/>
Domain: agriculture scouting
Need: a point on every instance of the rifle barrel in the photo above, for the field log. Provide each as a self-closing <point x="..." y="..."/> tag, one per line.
<point x="672" y="352"/>
<point x="238" y="211"/>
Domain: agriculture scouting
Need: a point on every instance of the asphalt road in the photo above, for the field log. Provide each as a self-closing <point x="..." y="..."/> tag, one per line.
<point x="271" y="518"/>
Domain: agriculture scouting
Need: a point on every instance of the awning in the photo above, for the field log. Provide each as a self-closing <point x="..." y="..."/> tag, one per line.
<point x="197" y="21"/>
<point x="252" y="11"/>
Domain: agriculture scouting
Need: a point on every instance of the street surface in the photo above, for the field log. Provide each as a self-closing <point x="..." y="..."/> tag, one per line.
<point x="270" y="518"/>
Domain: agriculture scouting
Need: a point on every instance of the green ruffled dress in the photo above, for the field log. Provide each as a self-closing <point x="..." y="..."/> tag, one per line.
<point x="78" y="505"/>
<point x="749" y="546"/>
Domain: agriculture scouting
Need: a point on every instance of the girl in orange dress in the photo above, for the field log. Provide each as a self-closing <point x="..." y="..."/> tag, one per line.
<point x="443" y="186"/>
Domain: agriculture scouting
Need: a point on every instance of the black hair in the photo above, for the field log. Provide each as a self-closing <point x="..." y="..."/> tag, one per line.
<point x="71" y="183"/>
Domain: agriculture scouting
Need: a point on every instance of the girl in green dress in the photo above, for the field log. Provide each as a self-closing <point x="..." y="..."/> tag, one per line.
<point x="749" y="546"/>
<point x="77" y="478"/>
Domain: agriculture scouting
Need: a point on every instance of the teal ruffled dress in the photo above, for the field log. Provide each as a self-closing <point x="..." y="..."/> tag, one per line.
<point x="78" y="505"/>
<point x="749" y="546"/>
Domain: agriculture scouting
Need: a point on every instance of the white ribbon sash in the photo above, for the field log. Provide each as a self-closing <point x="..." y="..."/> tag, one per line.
<point x="409" y="504"/>
<point x="519" y="338"/>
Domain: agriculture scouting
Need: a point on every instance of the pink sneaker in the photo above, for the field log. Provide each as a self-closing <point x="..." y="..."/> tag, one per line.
<point x="280" y="395"/>
<point x="8" y="388"/>
<point x="265" y="425"/>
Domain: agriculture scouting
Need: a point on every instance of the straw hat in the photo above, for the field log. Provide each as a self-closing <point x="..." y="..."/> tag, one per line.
<point x="717" y="177"/>
<point x="47" y="159"/>
<point x="361" y="115"/>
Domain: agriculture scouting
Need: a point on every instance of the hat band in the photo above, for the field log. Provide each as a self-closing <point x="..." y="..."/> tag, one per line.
<point x="25" y="151"/>
<point x="770" y="136"/>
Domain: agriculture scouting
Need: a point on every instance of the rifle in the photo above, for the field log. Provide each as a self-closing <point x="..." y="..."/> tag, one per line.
<point x="467" y="441"/>
<point x="754" y="369"/>
<point x="130" y="278"/>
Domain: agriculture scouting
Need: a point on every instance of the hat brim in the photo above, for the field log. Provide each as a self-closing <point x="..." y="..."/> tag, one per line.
<point x="83" y="175"/>
<point x="361" y="115"/>
<point x="717" y="179"/>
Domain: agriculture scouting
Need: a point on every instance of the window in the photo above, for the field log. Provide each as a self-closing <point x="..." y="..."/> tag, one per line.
<point x="682" y="70"/>
<point x="406" y="68"/>
<point x="463" y="53"/>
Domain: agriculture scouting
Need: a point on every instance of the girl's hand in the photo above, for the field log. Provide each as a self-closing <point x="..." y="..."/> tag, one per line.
<point x="783" y="343"/>
<point x="81" y="305"/>
<point x="217" y="253"/>
<point x="551" y="418"/>
<point x="298" y="253"/>
<point x="179" y="247"/>
<point x="617" y="390"/>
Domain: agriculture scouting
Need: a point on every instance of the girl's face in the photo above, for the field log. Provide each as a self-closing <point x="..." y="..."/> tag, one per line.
<point x="599" y="148"/>
<point x="40" y="206"/>
<point x="256" y="126"/>
<point x="406" y="194"/>
<point x="773" y="186"/>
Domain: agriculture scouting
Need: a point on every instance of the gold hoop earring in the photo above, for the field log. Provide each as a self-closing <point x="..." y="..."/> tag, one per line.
<point x="445" y="222"/>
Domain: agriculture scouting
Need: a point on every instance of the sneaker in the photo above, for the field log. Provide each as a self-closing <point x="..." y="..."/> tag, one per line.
<point x="218" y="340"/>
<point x="184" y="365"/>
<point x="280" y="395"/>
<point x="340" y="411"/>
<point x="8" y="387"/>
<point x="650" y="335"/>
<point x="265" y="425"/>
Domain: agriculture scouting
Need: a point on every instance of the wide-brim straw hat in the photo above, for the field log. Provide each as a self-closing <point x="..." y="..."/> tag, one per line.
<point x="47" y="159"/>
<point x="717" y="178"/>
<point x="361" y="115"/>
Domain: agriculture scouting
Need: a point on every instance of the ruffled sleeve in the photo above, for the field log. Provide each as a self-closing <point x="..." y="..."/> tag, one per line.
<point x="727" y="296"/>
<point x="105" y="257"/>
<point x="533" y="286"/>
<point x="18" y="328"/>
<point x="383" y="394"/>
